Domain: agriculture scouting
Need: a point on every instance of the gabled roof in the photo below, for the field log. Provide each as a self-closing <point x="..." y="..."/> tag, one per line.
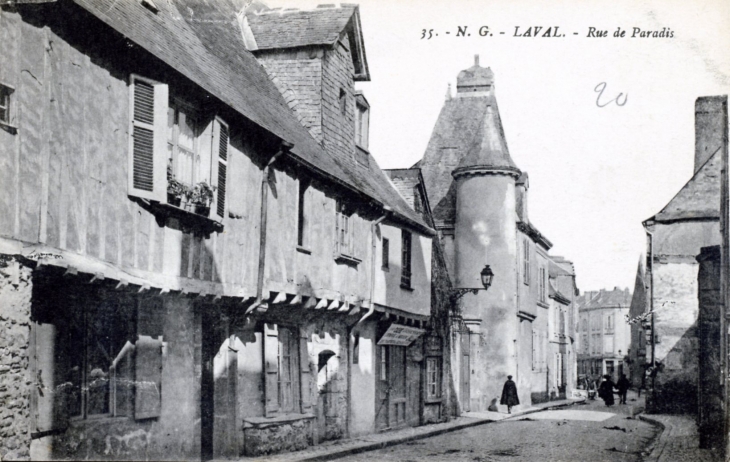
<point x="638" y="301"/>
<point x="699" y="198"/>
<point x="203" y="42"/>
<point x="323" y="26"/>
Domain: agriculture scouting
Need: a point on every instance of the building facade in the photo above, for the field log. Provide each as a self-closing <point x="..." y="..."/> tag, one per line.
<point x="605" y="333"/>
<point x="675" y="236"/>
<point x="194" y="264"/>
<point x="479" y="201"/>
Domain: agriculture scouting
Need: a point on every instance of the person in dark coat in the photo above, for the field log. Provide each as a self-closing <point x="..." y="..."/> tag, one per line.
<point x="605" y="391"/>
<point x="623" y="386"/>
<point x="509" y="394"/>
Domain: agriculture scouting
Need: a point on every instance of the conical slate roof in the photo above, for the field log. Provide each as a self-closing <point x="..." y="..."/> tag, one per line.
<point x="468" y="133"/>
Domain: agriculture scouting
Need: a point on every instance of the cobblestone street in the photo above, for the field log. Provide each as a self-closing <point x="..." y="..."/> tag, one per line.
<point x="595" y="433"/>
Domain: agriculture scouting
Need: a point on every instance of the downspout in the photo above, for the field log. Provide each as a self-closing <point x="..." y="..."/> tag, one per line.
<point x="651" y="306"/>
<point x="283" y="149"/>
<point x="386" y="212"/>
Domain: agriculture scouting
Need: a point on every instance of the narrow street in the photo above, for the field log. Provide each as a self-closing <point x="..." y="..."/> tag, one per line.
<point x="595" y="433"/>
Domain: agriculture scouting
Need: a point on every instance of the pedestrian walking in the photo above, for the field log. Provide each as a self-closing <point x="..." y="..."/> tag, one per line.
<point x="623" y="386"/>
<point x="509" y="394"/>
<point x="605" y="391"/>
<point x="591" y="388"/>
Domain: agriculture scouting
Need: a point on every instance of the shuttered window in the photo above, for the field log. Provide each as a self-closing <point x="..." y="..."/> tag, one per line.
<point x="219" y="167"/>
<point x="148" y="143"/>
<point x="405" y="278"/>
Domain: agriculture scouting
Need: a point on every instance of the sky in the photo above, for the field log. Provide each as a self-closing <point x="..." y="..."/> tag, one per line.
<point x="595" y="172"/>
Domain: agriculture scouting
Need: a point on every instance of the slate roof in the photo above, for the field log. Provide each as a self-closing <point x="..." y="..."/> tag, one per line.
<point x="405" y="181"/>
<point x="555" y="294"/>
<point x="465" y="135"/>
<point x="699" y="198"/>
<point x="608" y="299"/>
<point x="278" y="28"/>
<point x="207" y="47"/>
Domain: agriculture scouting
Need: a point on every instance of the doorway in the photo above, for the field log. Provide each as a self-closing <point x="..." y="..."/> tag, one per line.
<point x="217" y="388"/>
<point x="465" y="373"/>
<point x="391" y="402"/>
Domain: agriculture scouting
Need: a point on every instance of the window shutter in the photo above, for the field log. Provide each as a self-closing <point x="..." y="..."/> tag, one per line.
<point x="271" y="369"/>
<point x="337" y="230"/>
<point x="148" y="377"/>
<point x="219" y="168"/>
<point x="147" y="166"/>
<point x="306" y="375"/>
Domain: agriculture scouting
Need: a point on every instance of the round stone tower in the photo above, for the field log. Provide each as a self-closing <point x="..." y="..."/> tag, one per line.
<point x="486" y="234"/>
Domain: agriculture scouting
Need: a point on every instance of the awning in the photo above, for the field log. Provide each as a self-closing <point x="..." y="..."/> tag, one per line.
<point x="398" y="334"/>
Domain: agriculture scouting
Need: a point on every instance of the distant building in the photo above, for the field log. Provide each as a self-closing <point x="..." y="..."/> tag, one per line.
<point x="637" y="359"/>
<point x="605" y="334"/>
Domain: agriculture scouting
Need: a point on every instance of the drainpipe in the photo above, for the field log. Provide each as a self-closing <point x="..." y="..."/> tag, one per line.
<point x="285" y="148"/>
<point x="651" y="305"/>
<point x="386" y="212"/>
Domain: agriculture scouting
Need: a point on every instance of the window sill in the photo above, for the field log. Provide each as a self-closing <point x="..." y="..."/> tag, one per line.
<point x="385" y="268"/>
<point x="12" y="129"/>
<point x="348" y="260"/>
<point x="188" y="217"/>
<point x="542" y="304"/>
<point x="406" y="287"/>
<point x="304" y="250"/>
<point x="438" y="400"/>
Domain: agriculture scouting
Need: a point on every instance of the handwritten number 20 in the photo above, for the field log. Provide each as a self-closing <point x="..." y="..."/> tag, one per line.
<point x="599" y="89"/>
<point x="424" y="32"/>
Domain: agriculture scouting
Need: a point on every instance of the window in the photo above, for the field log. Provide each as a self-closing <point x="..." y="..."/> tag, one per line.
<point x="343" y="101"/>
<point x="609" y="324"/>
<point x="405" y="278"/>
<point x="177" y="156"/>
<point x="287" y="376"/>
<point x="526" y="262"/>
<point x="542" y="286"/>
<point x="345" y="234"/>
<point x="433" y="378"/>
<point x="6" y="92"/>
<point x="383" y="363"/>
<point x="99" y="352"/>
<point x="302" y="220"/>
<point x="288" y="370"/>
<point x="386" y="253"/>
<point x="362" y="124"/>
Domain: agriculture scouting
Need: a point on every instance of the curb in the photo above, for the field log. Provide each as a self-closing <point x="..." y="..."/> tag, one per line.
<point x="655" y="449"/>
<point x="407" y="438"/>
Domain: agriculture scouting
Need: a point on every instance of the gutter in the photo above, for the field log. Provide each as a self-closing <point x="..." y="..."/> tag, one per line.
<point x="284" y="149"/>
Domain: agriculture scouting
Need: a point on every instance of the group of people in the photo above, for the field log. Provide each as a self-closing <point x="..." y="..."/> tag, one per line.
<point x="605" y="390"/>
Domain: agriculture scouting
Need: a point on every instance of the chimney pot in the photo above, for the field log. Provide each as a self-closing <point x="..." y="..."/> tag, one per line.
<point x="476" y="60"/>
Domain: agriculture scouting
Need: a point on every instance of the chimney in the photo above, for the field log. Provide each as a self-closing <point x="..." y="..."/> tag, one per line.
<point x="476" y="60"/>
<point x="521" y="186"/>
<point x="710" y="127"/>
<point x="448" y="93"/>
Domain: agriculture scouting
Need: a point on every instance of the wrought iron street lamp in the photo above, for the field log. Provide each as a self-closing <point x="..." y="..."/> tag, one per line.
<point x="486" y="276"/>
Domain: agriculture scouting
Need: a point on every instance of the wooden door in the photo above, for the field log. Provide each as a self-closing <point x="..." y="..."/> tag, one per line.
<point x="465" y="373"/>
<point x="382" y="388"/>
<point x="397" y="398"/>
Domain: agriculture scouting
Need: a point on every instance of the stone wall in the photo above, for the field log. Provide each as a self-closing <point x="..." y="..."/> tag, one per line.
<point x="710" y="414"/>
<point x="15" y="423"/>
<point x="279" y="437"/>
